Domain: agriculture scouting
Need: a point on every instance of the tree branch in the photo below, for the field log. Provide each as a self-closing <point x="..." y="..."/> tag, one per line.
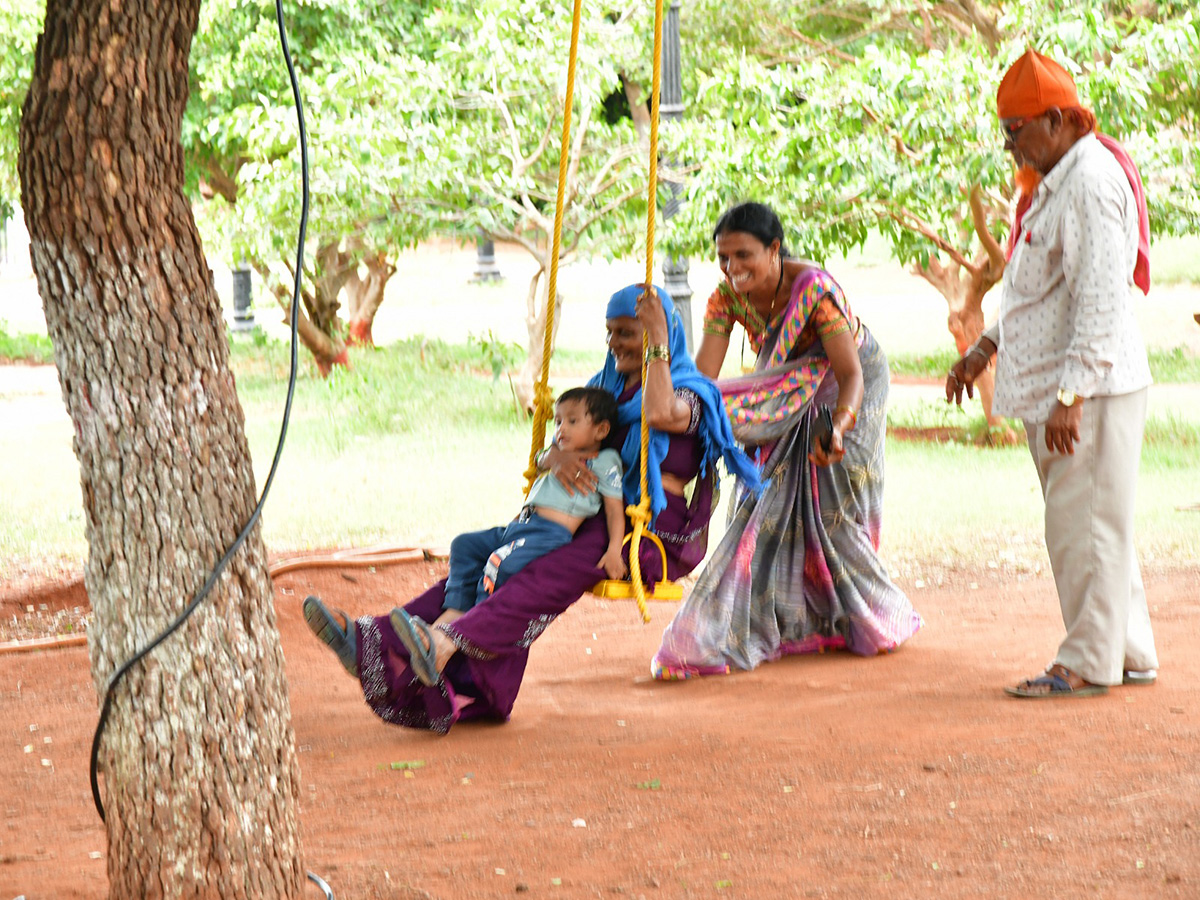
<point x="622" y="153"/>
<point x="638" y="110"/>
<point x="996" y="261"/>
<point x="510" y="236"/>
<point x="811" y="42"/>
<point x="219" y="182"/>
<point x="509" y="126"/>
<point x="577" y="157"/>
<point x="521" y="169"/>
<point x="912" y="222"/>
<point x="604" y="211"/>
<point x="970" y="13"/>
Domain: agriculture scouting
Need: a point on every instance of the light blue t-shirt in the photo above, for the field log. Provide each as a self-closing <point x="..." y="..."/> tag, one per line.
<point x="548" y="491"/>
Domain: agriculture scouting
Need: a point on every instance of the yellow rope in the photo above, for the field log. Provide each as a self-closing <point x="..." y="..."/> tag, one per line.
<point x="640" y="514"/>
<point x="543" y="407"/>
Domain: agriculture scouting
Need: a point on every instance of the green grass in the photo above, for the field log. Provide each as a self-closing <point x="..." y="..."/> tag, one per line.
<point x="952" y="504"/>
<point x="1178" y="365"/>
<point x="27" y="348"/>
<point x="418" y="442"/>
<point x="1175" y="366"/>
<point x="1164" y="428"/>
<point x="414" y="444"/>
<point x="932" y="365"/>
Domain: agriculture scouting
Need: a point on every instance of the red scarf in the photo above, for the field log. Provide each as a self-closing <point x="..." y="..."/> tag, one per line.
<point x="1141" y="269"/>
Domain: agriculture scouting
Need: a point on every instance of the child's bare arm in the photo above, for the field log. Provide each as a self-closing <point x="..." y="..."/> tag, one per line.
<point x="614" y="515"/>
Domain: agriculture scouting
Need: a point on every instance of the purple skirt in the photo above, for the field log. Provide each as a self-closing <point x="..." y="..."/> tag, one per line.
<point x="481" y="681"/>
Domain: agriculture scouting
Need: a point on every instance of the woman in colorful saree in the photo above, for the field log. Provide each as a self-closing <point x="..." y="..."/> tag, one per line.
<point x="797" y="571"/>
<point x="479" y="656"/>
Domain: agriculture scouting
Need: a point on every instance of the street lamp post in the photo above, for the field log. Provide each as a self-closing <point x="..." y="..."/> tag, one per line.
<point x="675" y="269"/>
<point x="243" y="303"/>
<point x="485" y="259"/>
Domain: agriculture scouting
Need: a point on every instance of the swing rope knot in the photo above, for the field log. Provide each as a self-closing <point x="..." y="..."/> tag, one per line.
<point x="639" y="515"/>
<point x="543" y="400"/>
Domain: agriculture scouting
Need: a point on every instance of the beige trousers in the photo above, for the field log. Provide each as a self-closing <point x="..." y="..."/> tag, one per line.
<point x="1089" y="536"/>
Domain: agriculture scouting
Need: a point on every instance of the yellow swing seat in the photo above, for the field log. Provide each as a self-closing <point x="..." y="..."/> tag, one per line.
<point x="615" y="589"/>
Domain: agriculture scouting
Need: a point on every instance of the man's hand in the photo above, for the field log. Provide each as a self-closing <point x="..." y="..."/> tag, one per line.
<point x="964" y="372"/>
<point x="1062" y="429"/>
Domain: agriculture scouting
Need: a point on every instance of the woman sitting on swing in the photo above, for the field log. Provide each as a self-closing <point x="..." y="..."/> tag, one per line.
<point x="481" y="654"/>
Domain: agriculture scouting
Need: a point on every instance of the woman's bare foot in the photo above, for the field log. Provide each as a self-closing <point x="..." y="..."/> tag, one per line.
<point x="443" y="646"/>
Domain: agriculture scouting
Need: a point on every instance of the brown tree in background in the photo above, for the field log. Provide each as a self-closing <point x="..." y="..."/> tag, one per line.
<point x="198" y="766"/>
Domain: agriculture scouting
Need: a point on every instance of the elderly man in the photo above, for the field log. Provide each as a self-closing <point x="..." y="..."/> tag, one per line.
<point x="1070" y="362"/>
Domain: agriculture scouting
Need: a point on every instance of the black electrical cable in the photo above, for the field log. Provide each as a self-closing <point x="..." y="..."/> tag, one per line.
<point x="287" y="412"/>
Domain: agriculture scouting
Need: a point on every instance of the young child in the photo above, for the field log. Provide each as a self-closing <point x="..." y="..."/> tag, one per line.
<point x="481" y="561"/>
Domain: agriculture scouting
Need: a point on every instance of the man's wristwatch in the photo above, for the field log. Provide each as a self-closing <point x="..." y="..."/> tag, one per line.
<point x="1065" y="397"/>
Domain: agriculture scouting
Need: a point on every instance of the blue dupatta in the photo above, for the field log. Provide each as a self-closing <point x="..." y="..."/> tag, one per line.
<point x="716" y="435"/>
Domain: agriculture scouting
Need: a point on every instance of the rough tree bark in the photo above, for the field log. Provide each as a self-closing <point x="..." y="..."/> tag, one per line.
<point x="198" y="766"/>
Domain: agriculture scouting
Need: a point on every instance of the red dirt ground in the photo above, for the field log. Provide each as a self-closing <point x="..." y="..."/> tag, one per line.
<point x="901" y="776"/>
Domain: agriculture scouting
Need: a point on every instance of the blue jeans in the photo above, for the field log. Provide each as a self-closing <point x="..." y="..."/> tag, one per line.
<point x="481" y="561"/>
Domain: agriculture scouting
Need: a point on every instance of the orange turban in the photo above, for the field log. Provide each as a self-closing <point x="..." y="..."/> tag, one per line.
<point x="1032" y="85"/>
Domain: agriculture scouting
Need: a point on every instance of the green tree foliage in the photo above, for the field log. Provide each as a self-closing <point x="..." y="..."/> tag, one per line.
<point x="849" y="116"/>
<point x="856" y="116"/>
<point x="508" y="66"/>
<point x="421" y="119"/>
<point x="860" y="117"/>
<point x="20" y="23"/>
<point x="371" y="104"/>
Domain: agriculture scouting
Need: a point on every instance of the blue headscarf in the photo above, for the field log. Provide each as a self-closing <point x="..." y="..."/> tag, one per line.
<point x="716" y="435"/>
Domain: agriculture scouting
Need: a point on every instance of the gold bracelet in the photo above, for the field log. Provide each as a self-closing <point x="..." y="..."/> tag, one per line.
<point x="849" y="409"/>
<point x="658" y="351"/>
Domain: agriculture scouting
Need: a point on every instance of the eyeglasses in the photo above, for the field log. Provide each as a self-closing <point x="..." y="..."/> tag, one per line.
<point x="1013" y="128"/>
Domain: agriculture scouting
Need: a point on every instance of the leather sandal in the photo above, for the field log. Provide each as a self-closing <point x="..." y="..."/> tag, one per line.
<point x="417" y="638"/>
<point x="1058" y="681"/>
<point x="339" y="636"/>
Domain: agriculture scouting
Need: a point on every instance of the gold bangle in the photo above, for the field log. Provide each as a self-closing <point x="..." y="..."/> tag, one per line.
<point x="658" y="351"/>
<point x="849" y="409"/>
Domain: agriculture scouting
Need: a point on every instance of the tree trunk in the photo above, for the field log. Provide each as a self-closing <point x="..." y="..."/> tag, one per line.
<point x="535" y="320"/>
<point x="365" y="296"/>
<point x="327" y="350"/>
<point x="964" y="291"/>
<point x="199" y="771"/>
<point x="639" y="109"/>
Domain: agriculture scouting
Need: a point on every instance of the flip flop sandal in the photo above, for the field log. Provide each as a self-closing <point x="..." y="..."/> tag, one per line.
<point x="339" y="637"/>
<point x="1140" y="677"/>
<point x="421" y="654"/>
<point x="1057" y="687"/>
